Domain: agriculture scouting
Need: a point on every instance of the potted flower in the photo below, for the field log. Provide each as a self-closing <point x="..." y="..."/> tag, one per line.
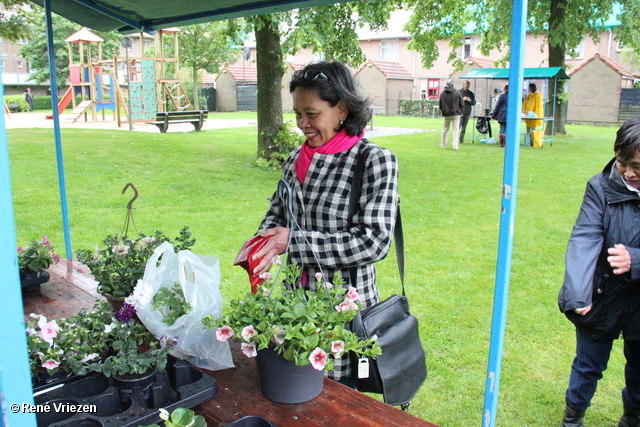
<point x="67" y="345"/>
<point x="33" y="260"/>
<point x="119" y="265"/>
<point x="303" y="327"/>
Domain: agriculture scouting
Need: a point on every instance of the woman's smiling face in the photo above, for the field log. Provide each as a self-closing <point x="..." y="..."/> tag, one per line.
<point x="317" y="118"/>
<point x="630" y="170"/>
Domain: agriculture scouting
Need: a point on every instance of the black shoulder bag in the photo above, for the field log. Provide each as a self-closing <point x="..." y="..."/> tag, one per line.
<point x="401" y="369"/>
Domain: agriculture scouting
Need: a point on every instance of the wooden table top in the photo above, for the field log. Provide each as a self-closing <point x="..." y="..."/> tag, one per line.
<point x="336" y="406"/>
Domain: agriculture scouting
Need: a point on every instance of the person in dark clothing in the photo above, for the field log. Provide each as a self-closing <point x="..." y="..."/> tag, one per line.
<point x="28" y="97"/>
<point x="499" y="113"/>
<point x="469" y="101"/>
<point x="601" y="290"/>
<point x="451" y="106"/>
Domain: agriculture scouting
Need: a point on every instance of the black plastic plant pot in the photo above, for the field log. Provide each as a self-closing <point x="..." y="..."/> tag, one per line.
<point x="31" y="280"/>
<point x="117" y="403"/>
<point x="252" y="421"/>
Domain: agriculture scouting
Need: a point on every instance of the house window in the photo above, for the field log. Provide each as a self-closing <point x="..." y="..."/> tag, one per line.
<point x="577" y="52"/>
<point x="389" y="50"/>
<point x="19" y="63"/>
<point x="3" y="63"/>
<point x="22" y="41"/>
<point x="466" y="48"/>
<point x="431" y="89"/>
<point x="318" y="57"/>
<point x="619" y="46"/>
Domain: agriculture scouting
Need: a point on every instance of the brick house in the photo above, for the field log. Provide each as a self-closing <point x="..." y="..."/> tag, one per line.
<point x="605" y="79"/>
<point x="385" y="83"/>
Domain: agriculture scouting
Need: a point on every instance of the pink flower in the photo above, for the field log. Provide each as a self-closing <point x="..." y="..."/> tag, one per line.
<point x="265" y="275"/>
<point x="48" y="330"/>
<point x="318" y="358"/>
<point x="278" y="336"/>
<point x="249" y="349"/>
<point x="347" y="305"/>
<point x="249" y="332"/>
<point x="337" y="348"/>
<point x="56" y="258"/>
<point x="224" y="333"/>
<point x="50" y="364"/>
<point x="352" y="294"/>
<point x="46" y="241"/>
<point x="19" y="249"/>
<point x="318" y="277"/>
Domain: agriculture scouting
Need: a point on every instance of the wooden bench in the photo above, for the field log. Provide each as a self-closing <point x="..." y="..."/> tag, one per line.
<point x="196" y="118"/>
<point x="13" y="107"/>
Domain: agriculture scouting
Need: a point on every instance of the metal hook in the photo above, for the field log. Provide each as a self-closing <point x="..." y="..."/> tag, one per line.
<point x="135" y="190"/>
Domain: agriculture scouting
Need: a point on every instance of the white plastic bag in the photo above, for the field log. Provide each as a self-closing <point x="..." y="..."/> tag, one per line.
<point x="199" y="277"/>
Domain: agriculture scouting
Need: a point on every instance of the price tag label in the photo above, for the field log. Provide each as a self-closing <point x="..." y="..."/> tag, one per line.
<point x="363" y="367"/>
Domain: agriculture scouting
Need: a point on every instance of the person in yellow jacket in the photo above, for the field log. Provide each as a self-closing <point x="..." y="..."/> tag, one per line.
<point x="533" y="103"/>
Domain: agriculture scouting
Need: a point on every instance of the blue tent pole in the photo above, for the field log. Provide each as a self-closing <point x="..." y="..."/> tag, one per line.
<point x="15" y="376"/>
<point x="56" y="130"/>
<point x="508" y="208"/>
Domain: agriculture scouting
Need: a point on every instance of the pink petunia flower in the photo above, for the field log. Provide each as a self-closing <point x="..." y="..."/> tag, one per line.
<point x="352" y="294"/>
<point x="249" y="349"/>
<point x="46" y="241"/>
<point x="278" y="336"/>
<point x="224" y="333"/>
<point x="337" y="348"/>
<point x="249" y="332"/>
<point x="318" y="358"/>
<point x="346" y="306"/>
<point x="48" y="330"/>
<point x="50" y="364"/>
<point x="19" y="249"/>
<point x="318" y="277"/>
<point x="56" y="258"/>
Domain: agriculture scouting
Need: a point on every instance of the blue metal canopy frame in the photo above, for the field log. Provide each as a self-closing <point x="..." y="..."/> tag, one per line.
<point x="15" y="382"/>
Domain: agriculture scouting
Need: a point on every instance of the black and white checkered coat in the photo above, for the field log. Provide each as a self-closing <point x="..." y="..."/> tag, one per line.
<point x="320" y="206"/>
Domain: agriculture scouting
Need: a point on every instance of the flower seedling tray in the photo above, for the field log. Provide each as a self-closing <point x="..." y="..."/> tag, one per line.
<point x="179" y="386"/>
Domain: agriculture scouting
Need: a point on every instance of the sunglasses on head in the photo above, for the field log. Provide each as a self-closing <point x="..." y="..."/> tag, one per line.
<point x="314" y="74"/>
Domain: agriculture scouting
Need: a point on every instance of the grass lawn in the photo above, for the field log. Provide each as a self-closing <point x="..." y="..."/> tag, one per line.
<point x="451" y="213"/>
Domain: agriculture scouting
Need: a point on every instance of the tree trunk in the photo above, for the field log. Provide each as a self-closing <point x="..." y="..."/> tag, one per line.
<point x="557" y="54"/>
<point x="270" y="72"/>
<point x="196" y="98"/>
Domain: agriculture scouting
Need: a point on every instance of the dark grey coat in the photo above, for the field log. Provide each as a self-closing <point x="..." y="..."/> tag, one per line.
<point x="610" y="214"/>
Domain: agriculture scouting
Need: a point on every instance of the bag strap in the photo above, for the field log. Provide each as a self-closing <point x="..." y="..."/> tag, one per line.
<point x="354" y="196"/>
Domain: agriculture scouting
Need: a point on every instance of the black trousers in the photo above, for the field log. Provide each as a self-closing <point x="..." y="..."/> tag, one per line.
<point x="589" y="364"/>
<point x="464" y="120"/>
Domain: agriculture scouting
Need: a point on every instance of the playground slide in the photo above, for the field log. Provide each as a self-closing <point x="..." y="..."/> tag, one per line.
<point x="64" y="101"/>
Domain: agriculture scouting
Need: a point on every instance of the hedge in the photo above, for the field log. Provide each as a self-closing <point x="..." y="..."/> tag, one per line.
<point x="417" y="107"/>
<point x="39" y="102"/>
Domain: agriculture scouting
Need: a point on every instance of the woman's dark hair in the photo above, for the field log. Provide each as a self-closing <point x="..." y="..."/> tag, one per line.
<point x="533" y="87"/>
<point x="628" y="140"/>
<point x="333" y="82"/>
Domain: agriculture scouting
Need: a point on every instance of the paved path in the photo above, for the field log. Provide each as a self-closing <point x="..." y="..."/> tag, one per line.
<point x="38" y="120"/>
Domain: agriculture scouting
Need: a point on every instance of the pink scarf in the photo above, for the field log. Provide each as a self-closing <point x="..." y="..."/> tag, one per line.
<point x="339" y="143"/>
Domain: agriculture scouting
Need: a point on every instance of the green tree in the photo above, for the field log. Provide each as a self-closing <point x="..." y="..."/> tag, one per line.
<point x="327" y="29"/>
<point x="208" y="47"/>
<point x="14" y="25"/>
<point x="562" y="23"/>
<point x="36" y="51"/>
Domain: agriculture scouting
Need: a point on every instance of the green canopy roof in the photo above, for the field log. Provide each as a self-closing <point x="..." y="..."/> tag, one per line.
<point x="529" y="73"/>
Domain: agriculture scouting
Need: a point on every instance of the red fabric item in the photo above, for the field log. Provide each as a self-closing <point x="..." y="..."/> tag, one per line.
<point x="249" y="248"/>
<point x="339" y="143"/>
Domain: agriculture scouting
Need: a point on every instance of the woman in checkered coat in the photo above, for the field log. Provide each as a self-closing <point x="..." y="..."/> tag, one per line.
<point x="332" y="115"/>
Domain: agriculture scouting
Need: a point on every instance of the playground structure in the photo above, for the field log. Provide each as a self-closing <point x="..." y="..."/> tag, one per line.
<point x="148" y="81"/>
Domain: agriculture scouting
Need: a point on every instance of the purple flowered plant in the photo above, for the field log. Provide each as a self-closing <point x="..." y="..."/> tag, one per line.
<point x="125" y="313"/>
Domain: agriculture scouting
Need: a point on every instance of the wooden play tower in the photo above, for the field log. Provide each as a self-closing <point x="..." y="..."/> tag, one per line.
<point x="151" y="83"/>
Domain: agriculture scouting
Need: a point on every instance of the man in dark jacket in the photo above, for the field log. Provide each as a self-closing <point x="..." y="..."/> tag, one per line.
<point x="601" y="289"/>
<point x="499" y="113"/>
<point x="451" y="106"/>
<point x="469" y="101"/>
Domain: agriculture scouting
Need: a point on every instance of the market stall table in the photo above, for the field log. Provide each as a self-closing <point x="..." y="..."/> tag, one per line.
<point x="336" y="406"/>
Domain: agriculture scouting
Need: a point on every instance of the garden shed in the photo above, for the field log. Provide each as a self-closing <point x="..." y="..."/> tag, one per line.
<point x="603" y="102"/>
<point x="237" y="89"/>
<point x="386" y="83"/>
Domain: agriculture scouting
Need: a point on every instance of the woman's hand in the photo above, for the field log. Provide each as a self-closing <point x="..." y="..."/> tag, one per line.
<point x="582" y="311"/>
<point x="619" y="259"/>
<point x="277" y="245"/>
